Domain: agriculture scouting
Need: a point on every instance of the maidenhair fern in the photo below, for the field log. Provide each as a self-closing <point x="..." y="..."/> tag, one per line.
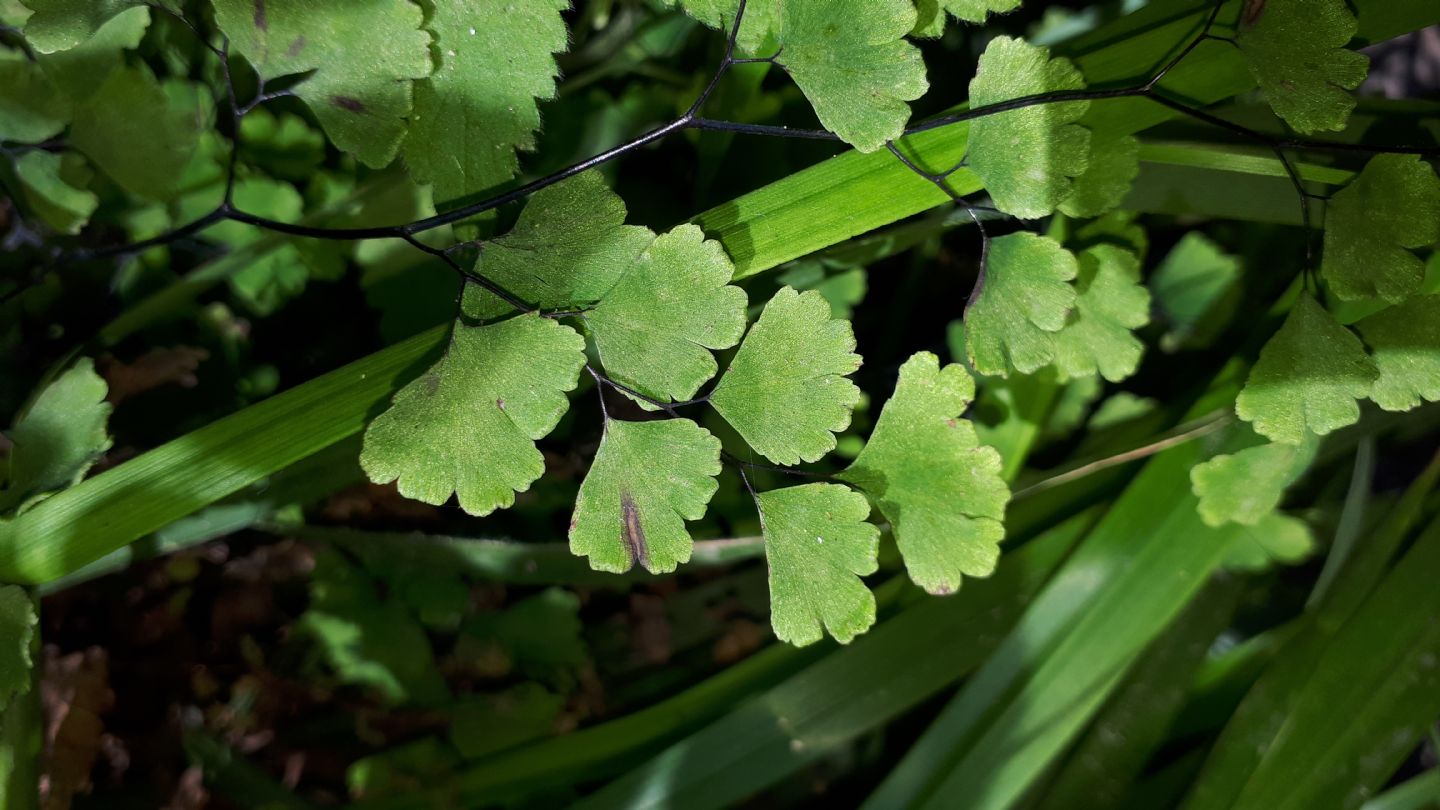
<point x="1373" y="225"/>
<point x="360" y="89"/>
<point x="468" y="426"/>
<point x="941" y="489"/>
<point x="1297" y="51"/>
<point x="1023" y="298"/>
<point x="786" y="391"/>
<point x="18" y="625"/>
<point x="1027" y="157"/>
<point x="1309" y="379"/>
<point x="1404" y="341"/>
<point x="1246" y="485"/>
<point x="61" y="436"/>
<point x="570" y="293"/>
<point x="647" y="480"/>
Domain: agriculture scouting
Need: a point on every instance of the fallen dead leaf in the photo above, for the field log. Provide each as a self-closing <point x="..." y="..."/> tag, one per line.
<point x="741" y="638"/>
<point x="75" y="692"/>
<point x="190" y="793"/>
<point x="649" y="628"/>
<point x="174" y="365"/>
<point x="376" y="503"/>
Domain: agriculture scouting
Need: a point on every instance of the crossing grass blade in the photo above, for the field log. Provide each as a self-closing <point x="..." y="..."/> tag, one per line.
<point x="1130" y="577"/>
<point x="511" y="562"/>
<point x="1256" y="725"/>
<point x="1420" y="793"/>
<point x="1147" y="568"/>
<point x="1105" y="762"/>
<point x="1369" y="699"/>
<point x="127" y="502"/>
<point x="1221" y="682"/>
<point x="306" y="481"/>
<point x="849" y="692"/>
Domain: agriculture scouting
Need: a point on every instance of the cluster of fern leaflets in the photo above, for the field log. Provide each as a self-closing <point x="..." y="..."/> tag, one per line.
<point x="571" y="294"/>
<point x="652" y="309"/>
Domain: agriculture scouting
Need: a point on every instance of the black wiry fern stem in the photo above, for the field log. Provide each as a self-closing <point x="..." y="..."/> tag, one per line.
<point x="693" y="120"/>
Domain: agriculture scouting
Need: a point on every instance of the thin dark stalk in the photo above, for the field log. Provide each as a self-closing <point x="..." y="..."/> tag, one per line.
<point x="754" y="496"/>
<point x="600" y="391"/>
<point x="692" y="119"/>
<point x="711" y="125"/>
<point x="671" y="408"/>
<point x="941" y="182"/>
<point x="18" y="40"/>
<point x="725" y="64"/>
<point x="732" y="459"/>
<point x="219" y="214"/>
<point x="235" y="117"/>
<point x="469" y="278"/>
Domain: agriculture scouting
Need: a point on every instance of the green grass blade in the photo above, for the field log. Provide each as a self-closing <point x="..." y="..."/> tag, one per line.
<point x="850" y="692"/>
<point x="1183" y="179"/>
<point x="1240" y="160"/>
<point x="1352" y="520"/>
<point x="512" y="562"/>
<point x="1368" y="701"/>
<point x="1420" y="793"/>
<point x="21" y="744"/>
<point x="127" y="502"/>
<point x="1365" y="563"/>
<point x="1166" y="787"/>
<point x="1099" y="771"/>
<point x="1255" y="726"/>
<point x="1154" y="569"/>
<point x="1221" y="682"/>
<point x="1130" y="578"/>
<point x="600" y="750"/>
<point x="301" y="483"/>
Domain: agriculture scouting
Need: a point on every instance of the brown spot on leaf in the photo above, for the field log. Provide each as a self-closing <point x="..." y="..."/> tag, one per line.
<point x="500" y="403"/>
<point x="432" y="383"/>
<point x="295" y="47"/>
<point x="942" y="590"/>
<point x="354" y="105"/>
<point x="632" y="532"/>
<point x="261" y="21"/>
